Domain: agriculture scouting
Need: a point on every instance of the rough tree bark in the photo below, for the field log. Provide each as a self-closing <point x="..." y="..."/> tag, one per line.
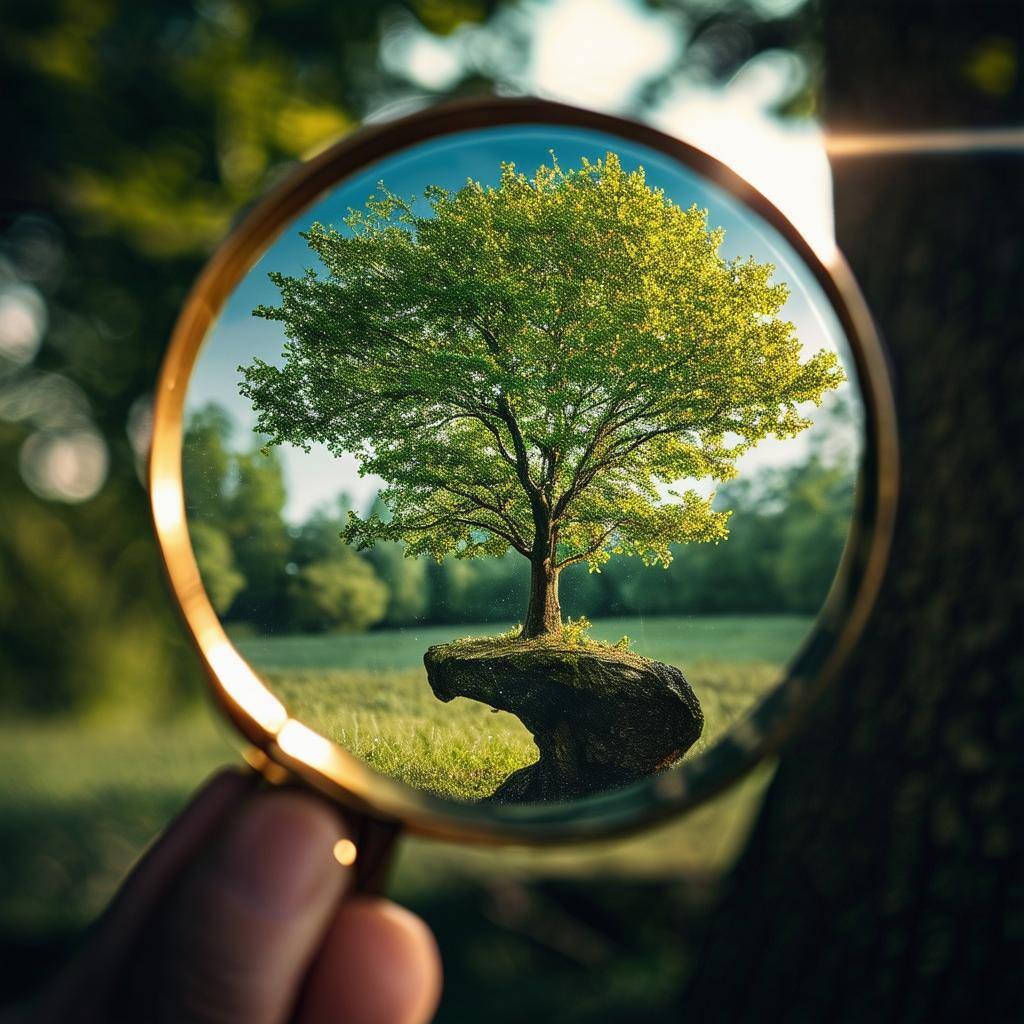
<point x="885" y="878"/>
<point x="543" y="613"/>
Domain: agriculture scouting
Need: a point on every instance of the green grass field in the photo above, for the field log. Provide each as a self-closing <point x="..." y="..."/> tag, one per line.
<point x="80" y="799"/>
<point x="369" y="692"/>
<point x="681" y="640"/>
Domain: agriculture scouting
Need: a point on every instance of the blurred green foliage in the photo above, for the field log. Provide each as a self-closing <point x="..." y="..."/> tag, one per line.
<point x="342" y="592"/>
<point x="217" y="565"/>
<point x="134" y="133"/>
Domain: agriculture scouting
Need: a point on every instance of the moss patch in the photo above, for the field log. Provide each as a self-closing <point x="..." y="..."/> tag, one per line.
<point x="515" y="648"/>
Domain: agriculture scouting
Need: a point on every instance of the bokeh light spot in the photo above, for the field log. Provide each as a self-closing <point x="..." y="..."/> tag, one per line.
<point x="345" y="852"/>
<point x="64" y="467"/>
<point x="22" y="323"/>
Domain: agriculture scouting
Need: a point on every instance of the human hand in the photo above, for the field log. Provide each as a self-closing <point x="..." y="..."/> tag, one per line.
<point x="236" y="915"/>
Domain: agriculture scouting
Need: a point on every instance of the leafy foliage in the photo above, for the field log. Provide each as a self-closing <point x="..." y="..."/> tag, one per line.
<point x="255" y="568"/>
<point x="576" y="632"/>
<point x="532" y="366"/>
<point x="216" y="563"/>
<point x="342" y="592"/>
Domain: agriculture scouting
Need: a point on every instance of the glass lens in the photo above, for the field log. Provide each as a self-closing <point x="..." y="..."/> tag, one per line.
<point x="522" y="462"/>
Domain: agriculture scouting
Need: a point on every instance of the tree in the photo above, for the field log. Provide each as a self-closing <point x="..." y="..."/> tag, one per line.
<point x="530" y="366"/>
<point x="317" y="538"/>
<point x="259" y="537"/>
<point x="216" y="562"/>
<point x="406" y="578"/>
<point x="812" y="532"/>
<point x="207" y="462"/>
<point x="235" y="504"/>
<point x="333" y="587"/>
<point x="341" y="593"/>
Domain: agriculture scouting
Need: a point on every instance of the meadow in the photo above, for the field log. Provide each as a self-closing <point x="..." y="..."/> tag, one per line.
<point x="81" y="798"/>
<point x="369" y="692"/>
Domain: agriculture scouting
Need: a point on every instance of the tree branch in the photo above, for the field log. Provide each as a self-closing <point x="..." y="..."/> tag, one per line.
<point x="512" y="525"/>
<point x="592" y="550"/>
<point x="509" y="419"/>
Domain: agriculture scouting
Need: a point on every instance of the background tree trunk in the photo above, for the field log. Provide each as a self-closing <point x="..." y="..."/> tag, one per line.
<point x="885" y="878"/>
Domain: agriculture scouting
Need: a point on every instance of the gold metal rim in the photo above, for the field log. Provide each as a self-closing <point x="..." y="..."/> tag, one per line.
<point x="264" y="721"/>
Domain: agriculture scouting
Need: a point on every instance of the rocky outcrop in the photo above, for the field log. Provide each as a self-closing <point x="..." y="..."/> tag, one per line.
<point x="601" y="718"/>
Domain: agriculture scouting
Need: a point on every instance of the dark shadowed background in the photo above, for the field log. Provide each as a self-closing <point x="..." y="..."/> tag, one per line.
<point x="883" y="879"/>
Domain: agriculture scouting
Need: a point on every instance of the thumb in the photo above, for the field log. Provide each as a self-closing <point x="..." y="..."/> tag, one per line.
<point x="235" y="940"/>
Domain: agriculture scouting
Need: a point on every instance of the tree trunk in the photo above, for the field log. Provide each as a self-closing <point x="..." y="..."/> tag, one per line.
<point x="543" y="614"/>
<point x="885" y="878"/>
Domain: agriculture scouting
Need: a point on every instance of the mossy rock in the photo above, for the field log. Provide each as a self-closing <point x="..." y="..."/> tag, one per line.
<point x="601" y="717"/>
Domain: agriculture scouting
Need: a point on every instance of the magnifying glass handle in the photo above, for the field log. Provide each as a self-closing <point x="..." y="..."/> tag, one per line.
<point x="375" y="842"/>
<point x="372" y="846"/>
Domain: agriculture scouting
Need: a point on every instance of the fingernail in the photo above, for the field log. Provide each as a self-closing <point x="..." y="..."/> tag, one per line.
<point x="279" y="851"/>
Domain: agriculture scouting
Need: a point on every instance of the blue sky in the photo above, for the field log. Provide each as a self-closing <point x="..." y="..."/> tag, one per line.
<point x="238" y="337"/>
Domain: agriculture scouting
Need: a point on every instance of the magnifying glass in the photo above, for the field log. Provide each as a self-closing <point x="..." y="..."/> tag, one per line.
<point x="456" y="447"/>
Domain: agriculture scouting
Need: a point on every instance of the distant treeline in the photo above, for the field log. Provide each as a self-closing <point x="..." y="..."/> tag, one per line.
<point x="786" y="535"/>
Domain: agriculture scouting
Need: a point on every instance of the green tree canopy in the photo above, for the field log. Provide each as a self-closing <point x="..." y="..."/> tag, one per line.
<point x="206" y="463"/>
<point x="216" y="562"/>
<point x="533" y="366"/>
<point x="254" y="520"/>
<point x="316" y="539"/>
<point x="406" y="577"/>
<point x="341" y="594"/>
